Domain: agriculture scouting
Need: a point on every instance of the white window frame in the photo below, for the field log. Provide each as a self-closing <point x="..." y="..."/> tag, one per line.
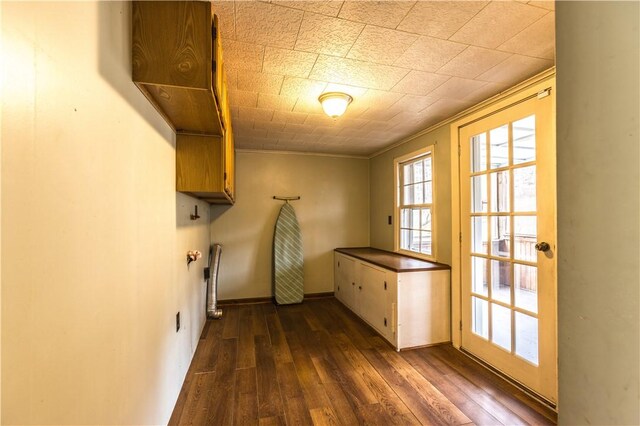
<point x="397" y="163"/>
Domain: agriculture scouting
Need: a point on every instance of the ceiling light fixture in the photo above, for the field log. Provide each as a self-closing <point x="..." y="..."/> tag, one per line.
<point x="335" y="104"/>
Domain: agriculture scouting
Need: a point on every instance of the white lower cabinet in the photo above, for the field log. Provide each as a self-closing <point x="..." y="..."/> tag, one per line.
<point x="408" y="309"/>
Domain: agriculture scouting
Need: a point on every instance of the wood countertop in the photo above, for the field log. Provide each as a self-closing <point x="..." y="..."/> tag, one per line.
<point x="392" y="261"/>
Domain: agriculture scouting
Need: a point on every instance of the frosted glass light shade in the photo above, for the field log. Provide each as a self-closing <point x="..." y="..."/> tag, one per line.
<point x="334" y="104"/>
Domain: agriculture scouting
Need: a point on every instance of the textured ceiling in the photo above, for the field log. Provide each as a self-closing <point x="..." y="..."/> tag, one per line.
<point x="407" y="65"/>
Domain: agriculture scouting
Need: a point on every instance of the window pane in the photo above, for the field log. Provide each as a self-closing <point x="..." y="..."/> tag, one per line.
<point x="425" y="242"/>
<point x="479" y="276"/>
<point x="500" y="236"/>
<point x="428" y="193"/>
<point x="417" y="171"/>
<point x="501" y="281"/>
<point x="405" y="237"/>
<point x="524" y="140"/>
<point x="408" y="195"/>
<point x="425" y="223"/>
<point x="501" y="326"/>
<point x="407" y="173"/>
<point x="479" y="234"/>
<point x="480" y="317"/>
<point x="479" y="152"/>
<point x="499" y="147"/>
<point x="418" y="193"/>
<point x="427" y="168"/>
<point x="526" y="287"/>
<point x="524" y="189"/>
<point x="415" y="218"/>
<point x="479" y="194"/>
<point x="525" y="237"/>
<point x="405" y="218"/>
<point x="527" y="337"/>
<point x="415" y="211"/>
<point x="500" y="191"/>
<point x="414" y="240"/>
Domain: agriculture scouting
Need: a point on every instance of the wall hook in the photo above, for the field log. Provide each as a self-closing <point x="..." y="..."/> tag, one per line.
<point x="195" y="216"/>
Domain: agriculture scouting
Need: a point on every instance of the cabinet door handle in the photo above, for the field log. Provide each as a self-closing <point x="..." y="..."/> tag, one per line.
<point x="385" y="286"/>
<point x="359" y="287"/>
<point x="385" y="322"/>
<point x="353" y="283"/>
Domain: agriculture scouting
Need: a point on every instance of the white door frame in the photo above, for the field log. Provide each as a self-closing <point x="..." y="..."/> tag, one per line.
<point x="523" y="90"/>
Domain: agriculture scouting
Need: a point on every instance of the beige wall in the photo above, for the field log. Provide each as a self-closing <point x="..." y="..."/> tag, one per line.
<point x="382" y="204"/>
<point x="96" y="234"/>
<point x="598" y="212"/>
<point x="333" y="212"/>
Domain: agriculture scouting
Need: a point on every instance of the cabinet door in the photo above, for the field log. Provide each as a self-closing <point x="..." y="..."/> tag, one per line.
<point x="345" y="280"/>
<point x="390" y="308"/>
<point x="229" y="163"/>
<point x="372" y="295"/>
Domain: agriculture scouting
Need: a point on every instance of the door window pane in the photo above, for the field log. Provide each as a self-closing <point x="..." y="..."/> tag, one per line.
<point x="499" y="147"/>
<point x="479" y="275"/>
<point x="501" y="326"/>
<point x="524" y="189"/>
<point x="526" y="287"/>
<point x="500" y="236"/>
<point x="525" y="237"/>
<point x="479" y="153"/>
<point x="524" y="140"/>
<point x="479" y="194"/>
<point x="479" y="234"/>
<point x="480" y="317"/>
<point x="501" y="281"/>
<point x="527" y="337"/>
<point x="500" y="191"/>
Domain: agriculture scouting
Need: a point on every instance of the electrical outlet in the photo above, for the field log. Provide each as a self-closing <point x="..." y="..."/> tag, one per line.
<point x="177" y="322"/>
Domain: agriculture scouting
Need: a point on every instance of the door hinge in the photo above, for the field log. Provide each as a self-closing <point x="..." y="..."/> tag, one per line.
<point x="544" y="93"/>
<point x="225" y="176"/>
<point x="338" y="288"/>
<point x="460" y="325"/>
<point x="460" y="239"/>
<point x="385" y="322"/>
<point x="214" y="33"/>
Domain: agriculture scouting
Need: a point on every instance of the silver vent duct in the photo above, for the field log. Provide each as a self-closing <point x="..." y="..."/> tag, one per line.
<point x="211" y="275"/>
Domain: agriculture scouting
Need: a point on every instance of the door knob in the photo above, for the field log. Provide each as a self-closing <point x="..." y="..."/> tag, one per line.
<point x="543" y="246"/>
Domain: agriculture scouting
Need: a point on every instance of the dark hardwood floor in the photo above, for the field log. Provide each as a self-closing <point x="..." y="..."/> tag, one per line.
<point x="317" y="363"/>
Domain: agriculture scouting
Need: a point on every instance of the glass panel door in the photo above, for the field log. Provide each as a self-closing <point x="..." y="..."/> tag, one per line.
<point x="507" y="165"/>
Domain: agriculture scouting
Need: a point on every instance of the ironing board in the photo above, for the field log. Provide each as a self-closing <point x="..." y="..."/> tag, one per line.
<point x="288" y="258"/>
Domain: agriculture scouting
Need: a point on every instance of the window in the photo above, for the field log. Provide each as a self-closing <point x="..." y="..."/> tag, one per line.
<point x="414" y="203"/>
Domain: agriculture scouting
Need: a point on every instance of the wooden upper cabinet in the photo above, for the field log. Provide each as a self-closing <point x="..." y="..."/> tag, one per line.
<point x="177" y="64"/>
<point x="204" y="167"/>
